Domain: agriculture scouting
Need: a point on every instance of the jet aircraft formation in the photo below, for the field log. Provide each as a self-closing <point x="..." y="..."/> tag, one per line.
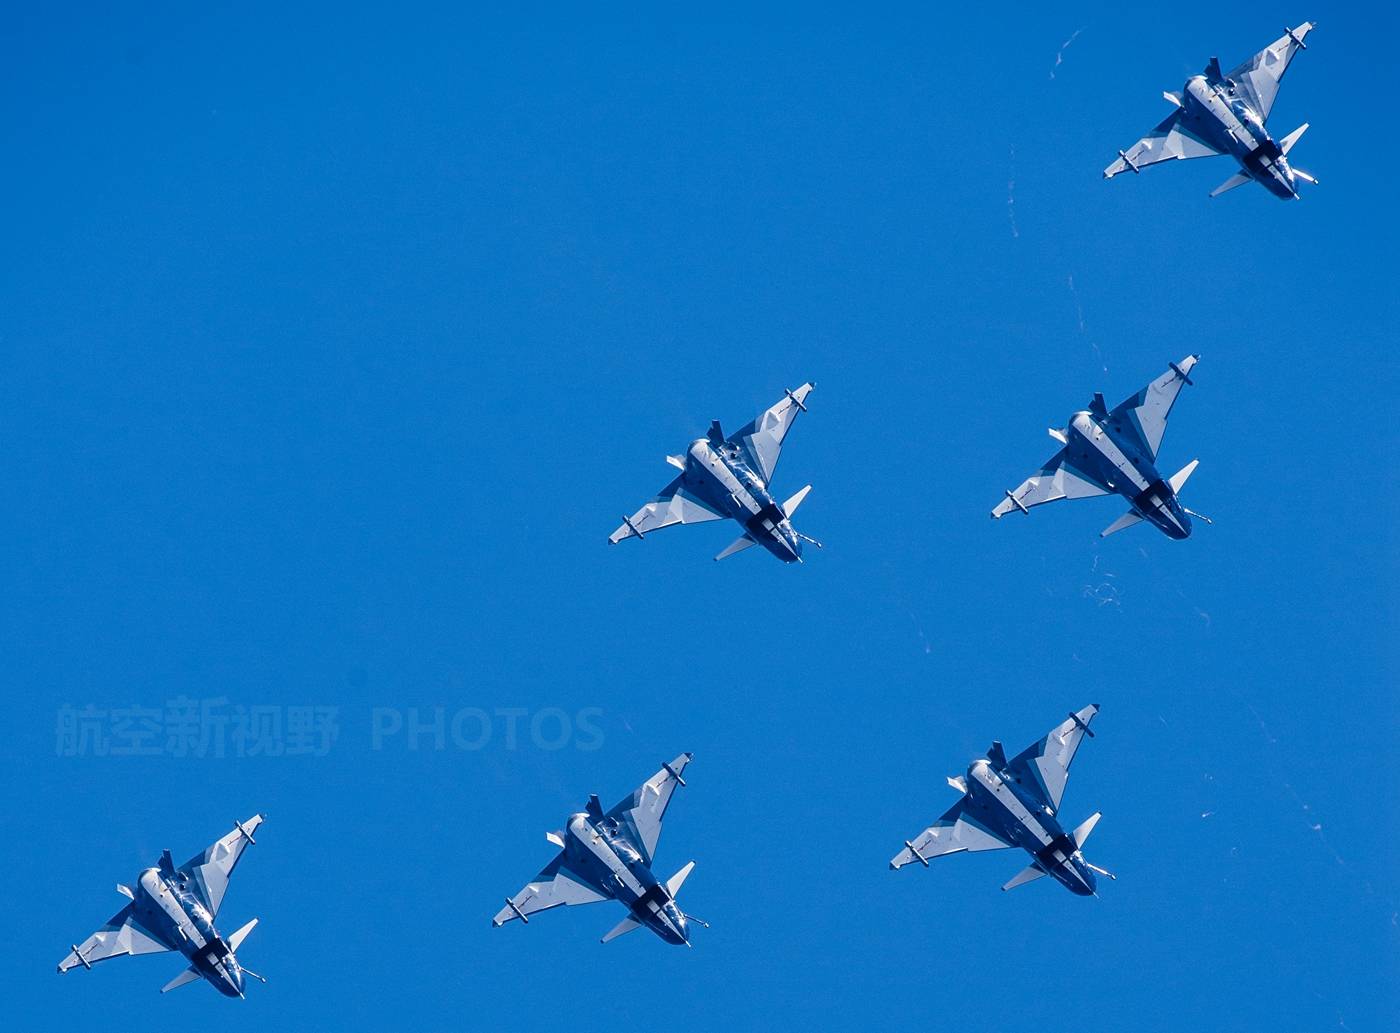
<point x="1002" y="804"/>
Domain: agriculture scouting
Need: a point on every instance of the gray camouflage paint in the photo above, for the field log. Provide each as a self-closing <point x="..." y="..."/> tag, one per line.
<point x="1114" y="452"/>
<point x="1015" y="803"/>
<point x="728" y="477"/>
<point x="609" y="857"/>
<point x="173" y="909"/>
<point x="1226" y="114"/>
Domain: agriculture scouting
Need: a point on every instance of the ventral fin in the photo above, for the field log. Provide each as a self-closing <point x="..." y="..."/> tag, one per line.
<point x="621" y="929"/>
<point x="738" y="545"/>
<point x="1239" y="179"/>
<point x="1026" y="875"/>
<point x="184" y="978"/>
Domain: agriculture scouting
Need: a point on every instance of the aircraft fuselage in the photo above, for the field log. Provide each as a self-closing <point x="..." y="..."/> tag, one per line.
<point x="182" y="922"/>
<point x="719" y="474"/>
<point x="1113" y="456"/>
<point x="597" y="847"/>
<point x="998" y="802"/>
<point x="1219" y="115"/>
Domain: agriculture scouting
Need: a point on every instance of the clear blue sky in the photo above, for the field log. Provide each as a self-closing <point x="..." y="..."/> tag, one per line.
<point x="335" y="343"/>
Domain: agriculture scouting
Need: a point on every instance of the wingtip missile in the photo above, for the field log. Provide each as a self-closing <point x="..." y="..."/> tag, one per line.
<point x="518" y="913"/>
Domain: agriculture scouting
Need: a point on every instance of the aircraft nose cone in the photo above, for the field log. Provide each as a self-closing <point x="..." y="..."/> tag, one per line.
<point x="1184" y="531"/>
<point x="677" y="929"/>
<point x="789" y="546"/>
<point x="232" y="984"/>
<point x="1171" y="518"/>
<point x="1085" y="885"/>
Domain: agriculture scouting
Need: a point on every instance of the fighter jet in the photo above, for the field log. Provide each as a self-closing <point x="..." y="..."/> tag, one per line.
<point x="608" y="857"/>
<point x="1114" y="452"/>
<point x="1014" y="804"/>
<point x="1225" y="114"/>
<point x="173" y="909"/>
<point x="728" y="477"/>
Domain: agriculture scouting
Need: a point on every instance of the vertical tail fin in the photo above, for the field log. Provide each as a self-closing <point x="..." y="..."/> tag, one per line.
<point x="674" y="883"/>
<point x="1082" y="834"/>
<point x="1286" y="144"/>
<point x="236" y="940"/>
<point x="790" y="506"/>
<point x="1179" y="479"/>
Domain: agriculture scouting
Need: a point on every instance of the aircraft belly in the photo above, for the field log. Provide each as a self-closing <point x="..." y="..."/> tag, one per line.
<point x="738" y="502"/>
<point x="157" y="924"/>
<point x="1204" y="121"/>
<point x="1218" y="125"/>
<point x="603" y="853"/>
<point x="1022" y="826"/>
<point x="185" y="931"/>
<point x="1108" y="451"/>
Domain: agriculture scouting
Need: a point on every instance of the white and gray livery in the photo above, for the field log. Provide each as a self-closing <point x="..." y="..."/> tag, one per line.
<point x="1225" y="114"/>
<point x="728" y="477"/>
<point x="1114" y="452"/>
<point x="609" y="857"/>
<point x="173" y="909"/>
<point x="1016" y="803"/>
